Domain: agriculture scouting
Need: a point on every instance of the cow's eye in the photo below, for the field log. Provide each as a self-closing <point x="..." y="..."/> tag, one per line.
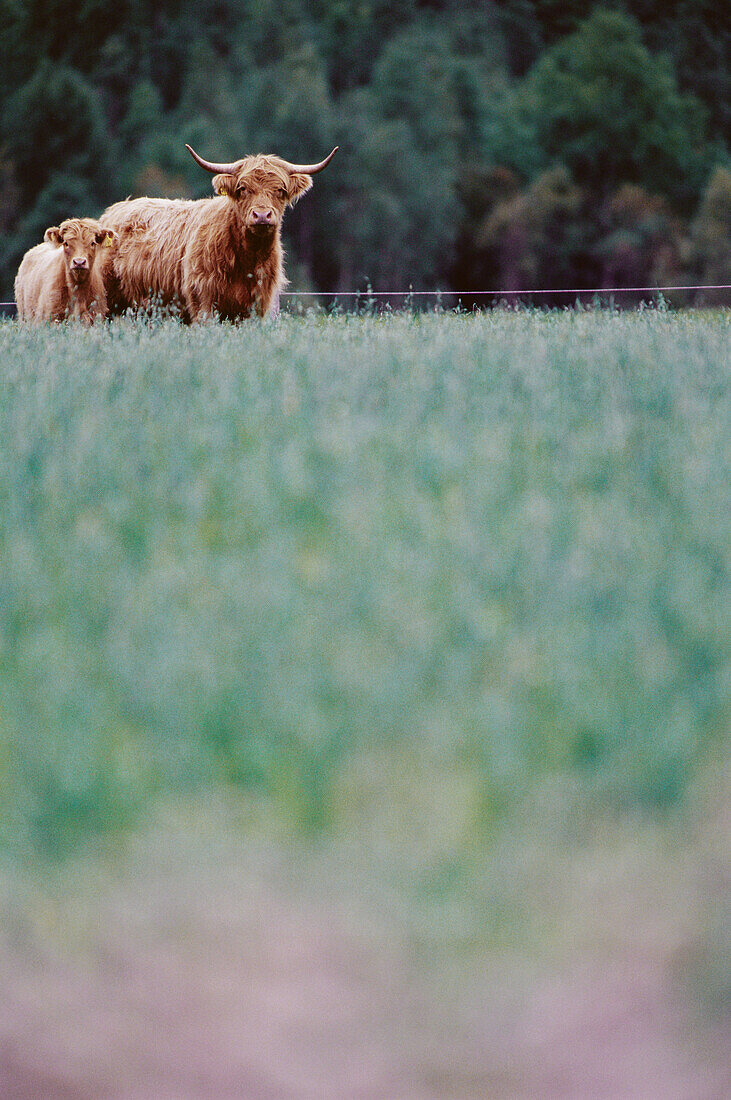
<point x="242" y="189"/>
<point x="282" y="192"/>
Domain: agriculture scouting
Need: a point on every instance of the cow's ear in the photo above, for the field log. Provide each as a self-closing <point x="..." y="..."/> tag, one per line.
<point x="53" y="235"/>
<point x="107" y="237"/>
<point x="299" y="183"/>
<point x="224" y="185"/>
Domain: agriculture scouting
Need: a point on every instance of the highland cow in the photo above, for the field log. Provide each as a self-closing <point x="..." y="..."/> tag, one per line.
<point x="62" y="278"/>
<point x="220" y="256"/>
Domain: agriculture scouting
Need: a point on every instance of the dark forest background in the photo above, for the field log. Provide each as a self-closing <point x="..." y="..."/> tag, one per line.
<point x="526" y="143"/>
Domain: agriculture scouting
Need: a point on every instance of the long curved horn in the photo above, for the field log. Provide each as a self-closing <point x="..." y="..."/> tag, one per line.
<point x="306" y="169"/>
<point x="310" y="169"/>
<point x="210" y="166"/>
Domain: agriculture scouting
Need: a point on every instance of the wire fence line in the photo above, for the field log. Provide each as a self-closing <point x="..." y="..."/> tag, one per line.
<point x="494" y="293"/>
<point x="10" y="308"/>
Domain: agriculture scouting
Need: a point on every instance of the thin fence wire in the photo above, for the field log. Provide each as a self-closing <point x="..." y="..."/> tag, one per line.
<point x="366" y="295"/>
<point x="495" y="293"/>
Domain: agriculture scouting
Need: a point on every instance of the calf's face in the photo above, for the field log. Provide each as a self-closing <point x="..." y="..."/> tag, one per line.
<point x="80" y="239"/>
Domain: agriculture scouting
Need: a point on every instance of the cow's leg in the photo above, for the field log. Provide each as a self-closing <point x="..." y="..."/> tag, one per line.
<point x="199" y="302"/>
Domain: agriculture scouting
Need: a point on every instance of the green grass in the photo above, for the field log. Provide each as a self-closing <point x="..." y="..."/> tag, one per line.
<point x="405" y="566"/>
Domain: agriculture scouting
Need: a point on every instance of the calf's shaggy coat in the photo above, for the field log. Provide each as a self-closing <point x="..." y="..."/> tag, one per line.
<point x="62" y="278"/>
<point x="221" y="255"/>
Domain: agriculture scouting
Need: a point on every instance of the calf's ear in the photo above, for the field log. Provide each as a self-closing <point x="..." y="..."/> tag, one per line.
<point x="53" y="235"/>
<point x="107" y="237"/>
<point x="299" y="183"/>
<point x="224" y="185"/>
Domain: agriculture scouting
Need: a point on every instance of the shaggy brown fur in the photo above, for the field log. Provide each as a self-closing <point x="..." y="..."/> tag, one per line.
<point x="63" y="277"/>
<point x="221" y="255"/>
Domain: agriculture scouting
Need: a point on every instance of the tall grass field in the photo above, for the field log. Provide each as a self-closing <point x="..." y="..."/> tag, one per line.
<point x="407" y="567"/>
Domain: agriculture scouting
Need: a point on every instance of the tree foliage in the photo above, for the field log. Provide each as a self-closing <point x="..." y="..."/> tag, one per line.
<point x="599" y="101"/>
<point x="711" y="230"/>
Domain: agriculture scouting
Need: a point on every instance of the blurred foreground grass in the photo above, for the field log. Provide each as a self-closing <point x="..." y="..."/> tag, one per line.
<point x="395" y="570"/>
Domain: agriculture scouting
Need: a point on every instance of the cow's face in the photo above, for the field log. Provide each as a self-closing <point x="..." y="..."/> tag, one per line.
<point x="80" y="239"/>
<point x="262" y="188"/>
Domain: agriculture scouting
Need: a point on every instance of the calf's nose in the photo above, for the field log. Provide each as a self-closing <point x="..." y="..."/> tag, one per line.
<point x="79" y="261"/>
<point x="262" y="217"/>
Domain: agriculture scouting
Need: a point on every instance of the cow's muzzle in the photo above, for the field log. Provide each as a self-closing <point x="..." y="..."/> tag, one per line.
<point x="79" y="268"/>
<point x="262" y="219"/>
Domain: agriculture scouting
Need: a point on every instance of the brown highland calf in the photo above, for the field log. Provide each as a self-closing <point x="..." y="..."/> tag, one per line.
<point x="218" y="255"/>
<point x="63" y="277"/>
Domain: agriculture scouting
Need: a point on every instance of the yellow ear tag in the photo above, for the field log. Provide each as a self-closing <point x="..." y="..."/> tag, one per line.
<point x="108" y="241"/>
<point x="221" y="191"/>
